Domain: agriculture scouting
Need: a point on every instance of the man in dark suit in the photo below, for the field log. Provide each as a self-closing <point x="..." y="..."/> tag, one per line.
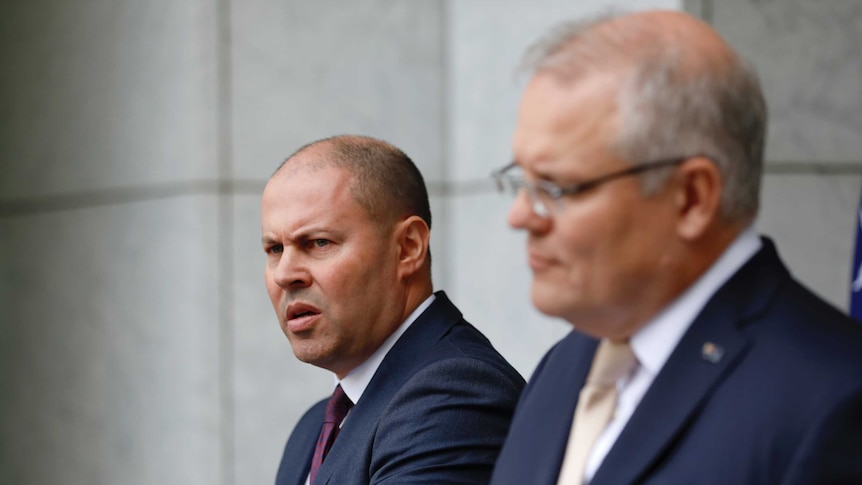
<point x="695" y="356"/>
<point x="346" y="224"/>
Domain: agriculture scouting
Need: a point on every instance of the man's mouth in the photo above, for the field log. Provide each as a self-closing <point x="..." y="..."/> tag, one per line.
<point x="301" y="317"/>
<point x="538" y="262"/>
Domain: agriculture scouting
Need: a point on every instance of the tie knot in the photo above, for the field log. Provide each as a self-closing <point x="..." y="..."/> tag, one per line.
<point x="338" y="406"/>
<point x="612" y="361"/>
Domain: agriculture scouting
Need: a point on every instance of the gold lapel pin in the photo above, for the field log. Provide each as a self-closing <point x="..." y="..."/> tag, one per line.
<point x="711" y="352"/>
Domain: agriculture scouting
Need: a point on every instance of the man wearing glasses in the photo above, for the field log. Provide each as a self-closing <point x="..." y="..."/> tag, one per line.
<point x="695" y="356"/>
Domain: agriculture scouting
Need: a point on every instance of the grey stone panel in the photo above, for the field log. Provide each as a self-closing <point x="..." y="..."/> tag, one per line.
<point x="812" y="219"/>
<point x="108" y="345"/>
<point x="309" y="70"/>
<point x="807" y="54"/>
<point x="106" y="94"/>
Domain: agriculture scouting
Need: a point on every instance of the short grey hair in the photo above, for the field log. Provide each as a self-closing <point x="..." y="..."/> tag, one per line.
<point x="667" y="108"/>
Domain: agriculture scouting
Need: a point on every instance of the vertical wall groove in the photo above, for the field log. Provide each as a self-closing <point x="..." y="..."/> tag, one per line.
<point x="225" y="356"/>
<point x="440" y="219"/>
<point x="707" y="11"/>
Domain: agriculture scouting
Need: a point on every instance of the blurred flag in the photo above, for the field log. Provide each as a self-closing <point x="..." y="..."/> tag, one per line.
<point x="856" y="284"/>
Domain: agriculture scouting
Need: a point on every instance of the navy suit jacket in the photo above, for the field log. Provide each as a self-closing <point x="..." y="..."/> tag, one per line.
<point x="436" y="411"/>
<point x="778" y="400"/>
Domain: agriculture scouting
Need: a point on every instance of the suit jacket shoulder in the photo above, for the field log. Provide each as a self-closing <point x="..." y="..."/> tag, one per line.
<point x="436" y="411"/>
<point x="764" y="387"/>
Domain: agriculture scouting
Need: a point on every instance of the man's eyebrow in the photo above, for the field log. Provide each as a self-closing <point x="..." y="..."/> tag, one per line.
<point x="542" y="173"/>
<point x="298" y="235"/>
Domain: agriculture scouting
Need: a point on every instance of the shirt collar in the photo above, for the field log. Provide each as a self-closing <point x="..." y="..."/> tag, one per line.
<point x="655" y="341"/>
<point x="355" y="382"/>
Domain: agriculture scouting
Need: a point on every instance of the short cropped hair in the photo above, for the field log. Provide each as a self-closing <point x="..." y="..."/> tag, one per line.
<point x="385" y="182"/>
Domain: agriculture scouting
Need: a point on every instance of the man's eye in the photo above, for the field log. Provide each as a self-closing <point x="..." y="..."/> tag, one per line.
<point x="274" y="249"/>
<point x="318" y="243"/>
<point x="550" y="191"/>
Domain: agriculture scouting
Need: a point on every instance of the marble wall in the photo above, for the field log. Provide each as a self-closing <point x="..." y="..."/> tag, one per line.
<point x="137" y="344"/>
<point x="810" y="66"/>
<point x="109" y="243"/>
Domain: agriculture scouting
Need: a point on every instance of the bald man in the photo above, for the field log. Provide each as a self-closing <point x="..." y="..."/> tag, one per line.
<point x="420" y="395"/>
<point x="695" y="356"/>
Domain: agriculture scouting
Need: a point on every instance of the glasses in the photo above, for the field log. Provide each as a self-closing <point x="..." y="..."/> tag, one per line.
<point x="546" y="197"/>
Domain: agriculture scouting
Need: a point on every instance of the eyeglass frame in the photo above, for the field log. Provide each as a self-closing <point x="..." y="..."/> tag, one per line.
<point x="556" y="192"/>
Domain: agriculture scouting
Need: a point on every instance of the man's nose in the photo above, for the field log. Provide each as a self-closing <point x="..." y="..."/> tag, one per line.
<point x="292" y="272"/>
<point x="522" y="214"/>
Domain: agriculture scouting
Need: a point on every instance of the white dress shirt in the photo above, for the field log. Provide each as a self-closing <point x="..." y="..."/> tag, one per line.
<point x="655" y="341"/>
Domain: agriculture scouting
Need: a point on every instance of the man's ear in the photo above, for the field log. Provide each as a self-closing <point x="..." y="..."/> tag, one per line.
<point x="698" y="197"/>
<point x="413" y="237"/>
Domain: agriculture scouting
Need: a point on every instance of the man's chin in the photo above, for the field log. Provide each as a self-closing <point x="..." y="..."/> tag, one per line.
<point x="547" y="302"/>
<point x="309" y="353"/>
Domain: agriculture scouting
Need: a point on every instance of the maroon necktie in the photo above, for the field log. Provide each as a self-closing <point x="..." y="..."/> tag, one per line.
<point x="336" y="410"/>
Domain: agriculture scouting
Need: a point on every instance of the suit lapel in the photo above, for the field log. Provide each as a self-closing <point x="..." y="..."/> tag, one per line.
<point x="534" y="448"/>
<point x="671" y="402"/>
<point x="398" y="365"/>
<point x="551" y="404"/>
<point x="708" y="352"/>
<point x="300" y="447"/>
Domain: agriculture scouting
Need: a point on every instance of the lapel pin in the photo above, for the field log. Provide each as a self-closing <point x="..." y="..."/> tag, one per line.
<point x="711" y="353"/>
